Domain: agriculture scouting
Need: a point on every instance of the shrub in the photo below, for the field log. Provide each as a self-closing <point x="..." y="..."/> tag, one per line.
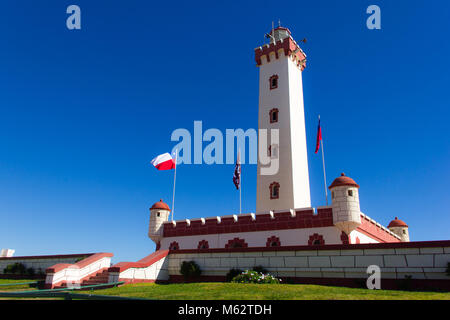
<point x="16" y="268"/>
<point x="190" y="269"/>
<point x="405" y="284"/>
<point x="259" y="269"/>
<point x="79" y="259"/>
<point x="249" y="276"/>
<point x="30" y="272"/>
<point x="233" y="273"/>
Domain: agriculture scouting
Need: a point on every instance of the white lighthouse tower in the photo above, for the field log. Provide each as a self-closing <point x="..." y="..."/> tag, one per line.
<point x="281" y="107"/>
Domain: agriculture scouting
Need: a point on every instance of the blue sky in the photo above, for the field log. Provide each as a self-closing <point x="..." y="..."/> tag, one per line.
<point x="83" y="112"/>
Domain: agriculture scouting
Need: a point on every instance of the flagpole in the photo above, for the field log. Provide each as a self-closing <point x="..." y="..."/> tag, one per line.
<point x="240" y="182"/>
<point x="174" y="182"/>
<point x="324" y="173"/>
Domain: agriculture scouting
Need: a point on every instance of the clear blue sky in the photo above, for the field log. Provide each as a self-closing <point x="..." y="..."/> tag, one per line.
<point x="83" y="112"/>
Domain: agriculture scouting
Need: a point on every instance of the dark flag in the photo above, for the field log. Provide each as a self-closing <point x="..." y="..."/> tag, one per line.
<point x="237" y="172"/>
<point x="319" y="137"/>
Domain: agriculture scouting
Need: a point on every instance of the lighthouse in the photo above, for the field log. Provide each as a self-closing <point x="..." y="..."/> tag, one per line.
<point x="281" y="63"/>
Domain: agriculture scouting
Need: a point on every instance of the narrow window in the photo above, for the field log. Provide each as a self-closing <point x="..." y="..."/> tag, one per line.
<point x="158" y="214"/>
<point x="350" y="193"/>
<point x="273" y="115"/>
<point x="273" y="82"/>
<point x="274" y="190"/>
<point x="332" y="194"/>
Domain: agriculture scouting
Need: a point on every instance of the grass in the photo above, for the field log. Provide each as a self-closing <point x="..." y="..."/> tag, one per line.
<point x="15" y="287"/>
<point x="238" y="291"/>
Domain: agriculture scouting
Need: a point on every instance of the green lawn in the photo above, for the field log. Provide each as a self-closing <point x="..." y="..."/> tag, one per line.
<point x="237" y="291"/>
<point x="15" y="287"/>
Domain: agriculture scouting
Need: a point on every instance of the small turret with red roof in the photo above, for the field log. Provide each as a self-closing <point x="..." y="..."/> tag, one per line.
<point x="159" y="213"/>
<point x="345" y="203"/>
<point x="400" y="228"/>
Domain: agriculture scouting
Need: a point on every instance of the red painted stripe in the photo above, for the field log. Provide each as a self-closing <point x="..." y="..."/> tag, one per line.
<point x="143" y="263"/>
<point x="385" y="245"/>
<point x="80" y="264"/>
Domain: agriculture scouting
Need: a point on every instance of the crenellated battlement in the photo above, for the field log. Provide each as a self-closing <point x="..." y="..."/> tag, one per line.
<point x="286" y="46"/>
<point x="273" y="220"/>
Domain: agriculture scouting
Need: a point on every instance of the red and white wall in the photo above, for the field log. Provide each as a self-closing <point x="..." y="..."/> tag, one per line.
<point x="281" y="228"/>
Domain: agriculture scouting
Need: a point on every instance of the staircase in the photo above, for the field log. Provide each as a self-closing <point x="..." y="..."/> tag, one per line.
<point x="99" y="278"/>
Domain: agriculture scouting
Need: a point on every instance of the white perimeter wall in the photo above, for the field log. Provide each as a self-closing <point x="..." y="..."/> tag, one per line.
<point x="420" y="263"/>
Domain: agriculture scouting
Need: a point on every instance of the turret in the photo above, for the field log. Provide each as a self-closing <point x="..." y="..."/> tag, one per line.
<point x="345" y="203"/>
<point x="159" y="213"/>
<point x="400" y="228"/>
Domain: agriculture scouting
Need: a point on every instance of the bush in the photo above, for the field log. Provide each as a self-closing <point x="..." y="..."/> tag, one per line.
<point x="233" y="273"/>
<point x="259" y="269"/>
<point x="190" y="269"/>
<point x="30" y="272"/>
<point x="405" y="284"/>
<point x="16" y="268"/>
<point x="249" y="276"/>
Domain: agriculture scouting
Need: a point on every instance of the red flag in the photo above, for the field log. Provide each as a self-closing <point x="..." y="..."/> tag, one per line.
<point x="164" y="162"/>
<point x="319" y="137"/>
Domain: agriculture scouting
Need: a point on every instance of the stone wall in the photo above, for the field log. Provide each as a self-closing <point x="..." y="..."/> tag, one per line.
<point x="424" y="262"/>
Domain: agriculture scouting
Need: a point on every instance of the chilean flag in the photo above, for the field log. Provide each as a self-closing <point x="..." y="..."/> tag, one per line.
<point x="237" y="172"/>
<point x="319" y="137"/>
<point x="164" y="162"/>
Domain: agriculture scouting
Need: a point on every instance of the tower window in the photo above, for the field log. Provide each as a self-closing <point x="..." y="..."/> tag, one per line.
<point x="274" y="190"/>
<point x="273" y="115"/>
<point x="273" y="82"/>
<point x="350" y="193"/>
<point x="404" y="231"/>
<point x="332" y="194"/>
<point x="158" y="214"/>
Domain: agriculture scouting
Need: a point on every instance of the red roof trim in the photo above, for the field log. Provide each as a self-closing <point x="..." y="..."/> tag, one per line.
<point x="80" y="264"/>
<point x="385" y="245"/>
<point x="143" y="263"/>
